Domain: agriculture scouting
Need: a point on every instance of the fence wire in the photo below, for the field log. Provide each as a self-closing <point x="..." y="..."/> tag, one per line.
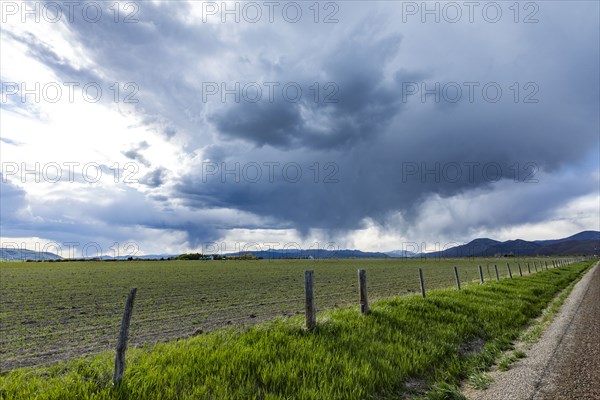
<point x="74" y="321"/>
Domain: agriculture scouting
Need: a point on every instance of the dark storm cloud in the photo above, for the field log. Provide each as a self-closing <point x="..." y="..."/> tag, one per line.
<point x="505" y="142"/>
<point x="357" y="104"/>
<point x="371" y="135"/>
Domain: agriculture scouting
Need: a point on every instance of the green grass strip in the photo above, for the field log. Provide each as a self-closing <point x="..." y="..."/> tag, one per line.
<point x="407" y="347"/>
<point x="527" y="337"/>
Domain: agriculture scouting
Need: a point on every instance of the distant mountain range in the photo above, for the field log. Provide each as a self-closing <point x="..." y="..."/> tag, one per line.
<point x="583" y="243"/>
<point x="401" y="254"/>
<point x="311" y="253"/>
<point x="10" y="254"/>
<point x="140" y="257"/>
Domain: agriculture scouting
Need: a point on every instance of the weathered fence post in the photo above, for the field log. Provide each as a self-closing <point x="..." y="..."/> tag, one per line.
<point x="528" y="269"/>
<point x="546" y="264"/>
<point x="497" y="275"/>
<point x="362" y="291"/>
<point x="535" y="266"/>
<point x="457" y="278"/>
<point x="122" y="340"/>
<point x="422" y="282"/>
<point x="520" y="271"/>
<point x="509" y="271"/>
<point x="309" y="304"/>
<point x="480" y="275"/>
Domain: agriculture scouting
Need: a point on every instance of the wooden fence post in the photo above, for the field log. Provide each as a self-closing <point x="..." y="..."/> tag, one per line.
<point x="480" y="275"/>
<point x="528" y="269"/>
<point x="362" y="291"/>
<point x="509" y="271"/>
<point x="497" y="275"/>
<point x="309" y="305"/>
<point x="457" y="278"/>
<point x="535" y="266"/>
<point x="122" y="340"/>
<point x="520" y="270"/>
<point x="422" y="282"/>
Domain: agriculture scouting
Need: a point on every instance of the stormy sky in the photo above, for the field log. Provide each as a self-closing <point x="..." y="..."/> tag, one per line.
<point x="164" y="127"/>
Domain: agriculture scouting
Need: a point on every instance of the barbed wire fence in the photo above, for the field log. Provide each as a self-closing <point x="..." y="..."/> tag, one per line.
<point x="90" y="327"/>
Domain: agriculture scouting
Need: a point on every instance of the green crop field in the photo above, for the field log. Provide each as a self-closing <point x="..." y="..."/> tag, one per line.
<point x="57" y="311"/>
<point x="406" y="347"/>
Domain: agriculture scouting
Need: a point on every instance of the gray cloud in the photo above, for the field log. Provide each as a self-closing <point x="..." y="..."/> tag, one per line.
<point x="355" y="104"/>
<point x="372" y="135"/>
<point x="136" y="153"/>
<point x="155" y="178"/>
<point x="13" y="200"/>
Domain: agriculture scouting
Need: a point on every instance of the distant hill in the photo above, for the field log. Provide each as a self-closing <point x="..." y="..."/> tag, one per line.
<point x="581" y="236"/>
<point x="401" y="254"/>
<point x="24" y="254"/>
<point x="141" y="257"/>
<point x="587" y="247"/>
<point x="583" y="243"/>
<point x="475" y="248"/>
<point x="310" y="253"/>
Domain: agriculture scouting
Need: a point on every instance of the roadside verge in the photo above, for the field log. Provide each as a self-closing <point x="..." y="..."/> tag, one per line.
<point x="547" y="370"/>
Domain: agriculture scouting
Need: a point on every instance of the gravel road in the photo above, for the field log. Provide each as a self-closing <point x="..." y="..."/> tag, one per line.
<point x="565" y="363"/>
